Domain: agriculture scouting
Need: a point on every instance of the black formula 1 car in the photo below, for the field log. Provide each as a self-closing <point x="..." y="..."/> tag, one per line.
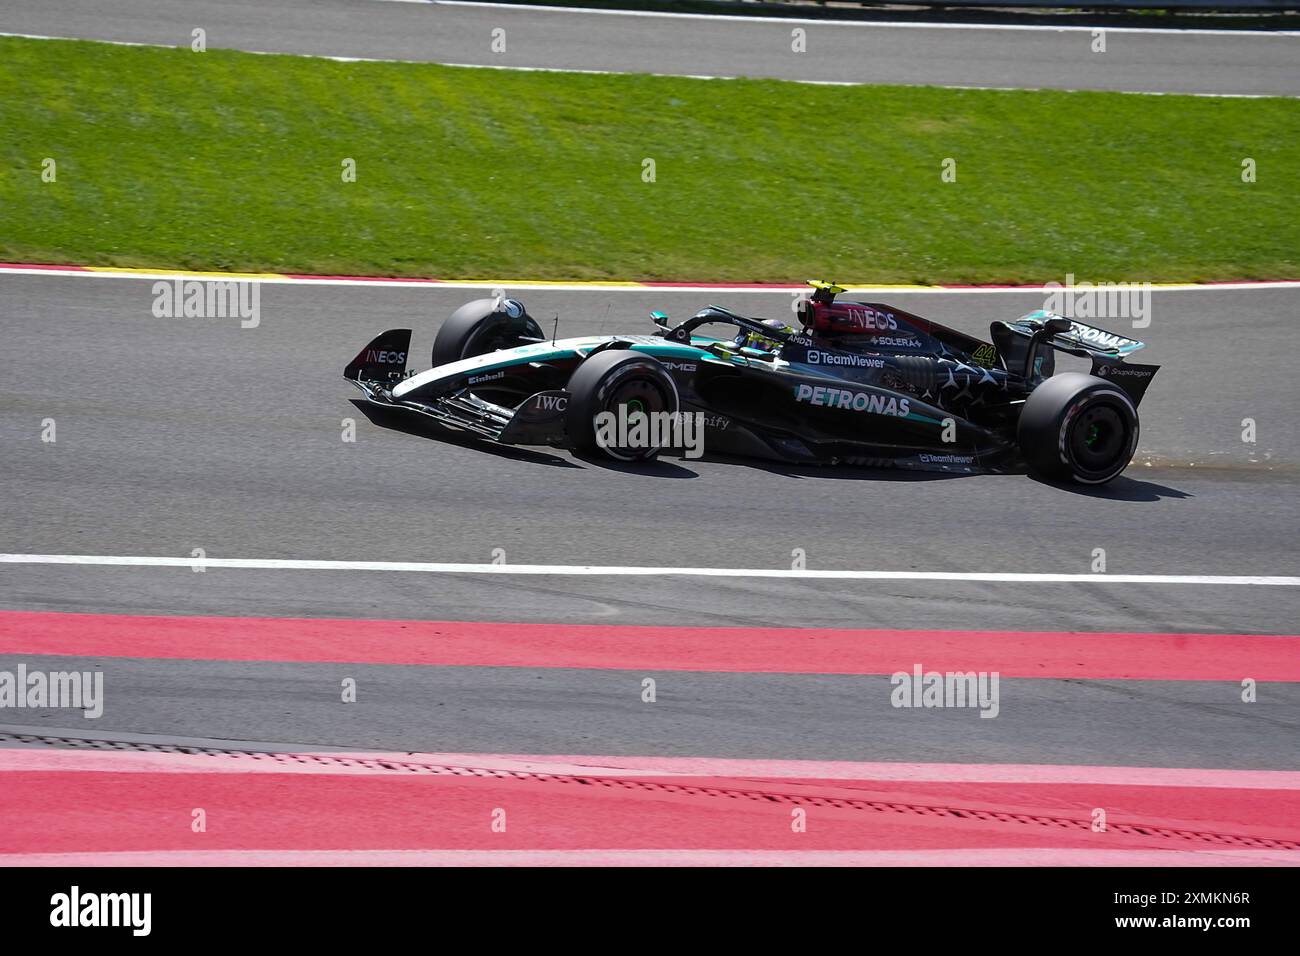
<point x="858" y="382"/>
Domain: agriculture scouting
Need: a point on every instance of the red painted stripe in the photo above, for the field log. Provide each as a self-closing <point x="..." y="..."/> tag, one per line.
<point x="946" y="857"/>
<point x="1097" y="656"/>
<point x="56" y="812"/>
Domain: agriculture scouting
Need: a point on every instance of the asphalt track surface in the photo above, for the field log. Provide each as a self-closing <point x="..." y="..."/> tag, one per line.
<point x="175" y="434"/>
<point x="913" y="54"/>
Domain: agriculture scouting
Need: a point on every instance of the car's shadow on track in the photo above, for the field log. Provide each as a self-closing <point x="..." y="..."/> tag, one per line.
<point x="660" y="467"/>
<point x="420" y="427"/>
<point x="669" y="465"/>
<point x="1122" y="488"/>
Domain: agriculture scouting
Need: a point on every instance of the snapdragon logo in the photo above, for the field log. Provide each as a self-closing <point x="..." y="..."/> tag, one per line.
<point x="634" y="428"/>
<point x="1103" y="300"/>
<point x="80" y="690"/>
<point x="75" y="908"/>
<point x="209" y="299"/>
<point x="950" y="689"/>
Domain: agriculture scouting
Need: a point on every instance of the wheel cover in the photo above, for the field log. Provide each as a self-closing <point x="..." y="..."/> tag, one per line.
<point x="1099" y="439"/>
<point x="636" y="394"/>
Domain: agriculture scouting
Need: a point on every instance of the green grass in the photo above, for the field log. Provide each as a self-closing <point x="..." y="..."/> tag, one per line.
<point x="231" y="161"/>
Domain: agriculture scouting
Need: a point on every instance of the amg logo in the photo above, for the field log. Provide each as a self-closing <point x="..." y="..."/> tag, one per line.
<point x="818" y="357"/>
<point x="551" y="403"/>
<point x="376" y="357"/>
<point x="475" y="379"/>
<point x="857" y="401"/>
<point x="679" y="366"/>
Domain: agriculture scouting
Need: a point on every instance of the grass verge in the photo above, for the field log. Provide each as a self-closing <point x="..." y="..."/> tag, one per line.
<point x="233" y="161"/>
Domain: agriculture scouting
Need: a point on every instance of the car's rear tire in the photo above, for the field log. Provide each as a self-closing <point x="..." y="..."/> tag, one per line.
<point x="619" y="382"/>
<point x="482" y="326"/>
<point x="1078" y="427"/>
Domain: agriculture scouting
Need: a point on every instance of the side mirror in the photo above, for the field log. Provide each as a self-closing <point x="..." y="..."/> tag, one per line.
<point x="660" y="319"/>
<point x="1056" y="326"/>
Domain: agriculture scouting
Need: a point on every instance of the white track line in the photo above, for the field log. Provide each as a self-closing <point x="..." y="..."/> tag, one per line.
<point x="544" y="286"/>
<point x="680" y="76"/>
<point x="992" y="577"/>
<point x="823" y="22"/>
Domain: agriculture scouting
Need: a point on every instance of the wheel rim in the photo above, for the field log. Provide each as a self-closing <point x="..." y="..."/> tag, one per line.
<point x="638" y="395"/>
<point x="1099" y="439"/>
<point x="633" y="396"/>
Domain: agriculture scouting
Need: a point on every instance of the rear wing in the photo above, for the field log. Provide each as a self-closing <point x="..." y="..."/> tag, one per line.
<point x="1020" y="345"/>
<point x="1107" y="351"/>
<point x="1090" y="340"/>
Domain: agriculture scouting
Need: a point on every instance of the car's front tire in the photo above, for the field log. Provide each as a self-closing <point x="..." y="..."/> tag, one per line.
<point x="618" y="383"/>
<point x="1078" y="427"/>
<point x="482" y="326"/>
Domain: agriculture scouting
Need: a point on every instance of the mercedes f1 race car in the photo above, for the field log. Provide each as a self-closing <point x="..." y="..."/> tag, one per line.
<point x="857" y="382"/>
